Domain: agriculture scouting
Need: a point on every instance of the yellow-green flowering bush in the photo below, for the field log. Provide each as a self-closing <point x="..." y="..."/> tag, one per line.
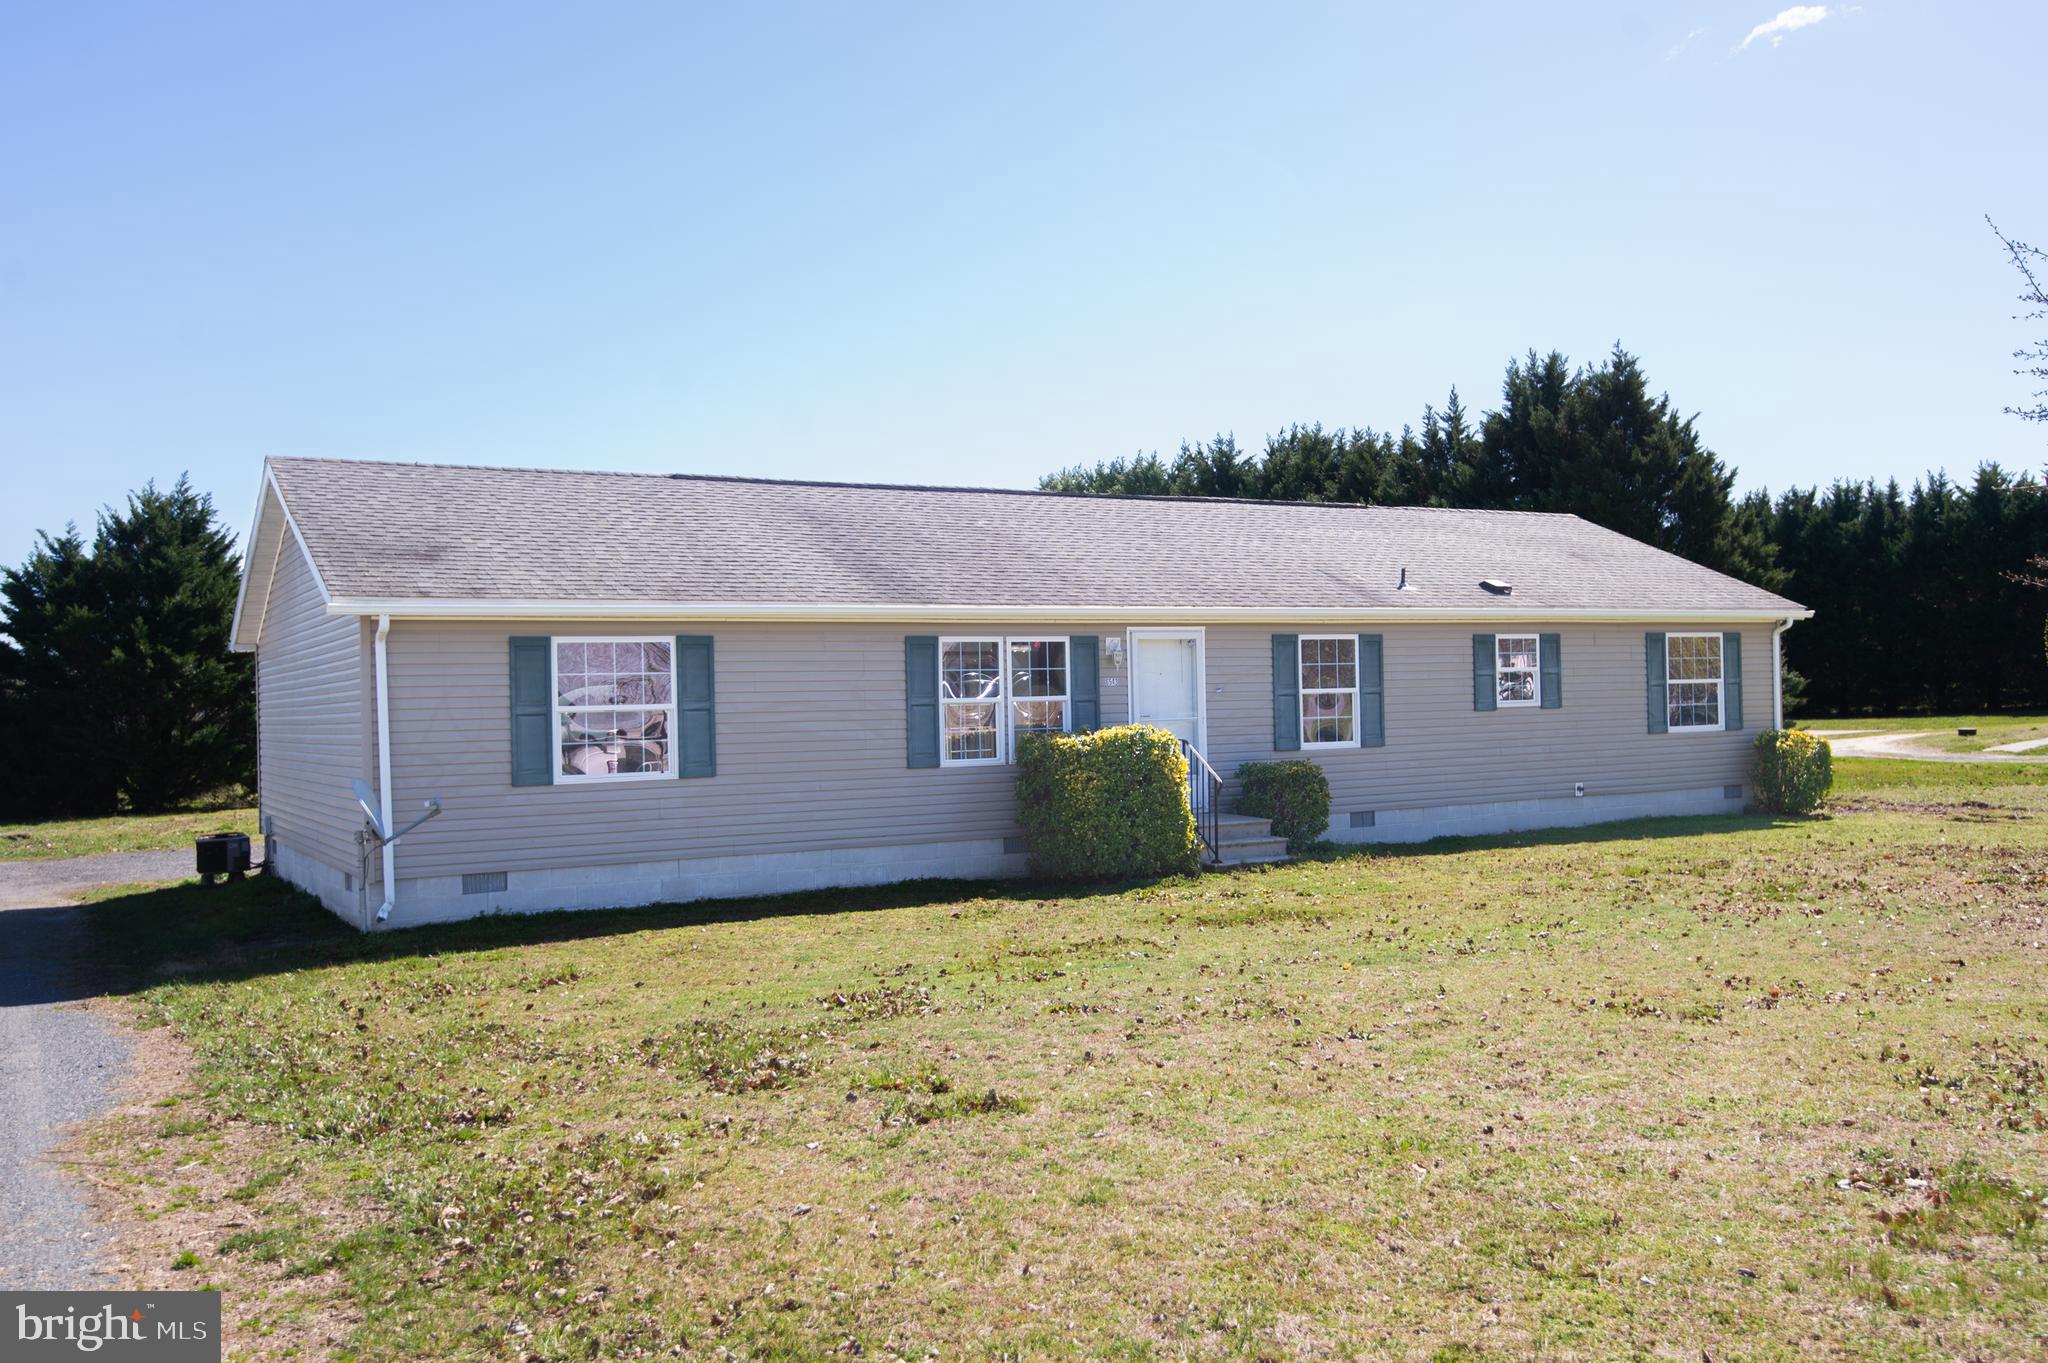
<point x="1294" y="795"/>
<point x="1793" y="771"/>
<point x="1106" y="804"/>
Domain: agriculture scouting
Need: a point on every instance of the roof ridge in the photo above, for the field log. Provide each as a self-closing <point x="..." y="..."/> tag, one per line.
<point x="759" y="480"/>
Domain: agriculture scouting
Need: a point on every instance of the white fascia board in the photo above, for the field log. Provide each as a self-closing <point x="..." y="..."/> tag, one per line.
<point x="264" y="494"/>
<point x="431" y="609"/>
<point x="235" y="644"/>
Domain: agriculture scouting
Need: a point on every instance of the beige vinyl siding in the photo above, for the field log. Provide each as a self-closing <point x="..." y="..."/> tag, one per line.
<point x="1441" y="751"/>
<point x="312" y="737"/>
<point x="810" y="754"/>
<point x="811" y="742"/>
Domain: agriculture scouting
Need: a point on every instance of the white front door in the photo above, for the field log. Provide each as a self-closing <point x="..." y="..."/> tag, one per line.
<point x="1166" y="682"/>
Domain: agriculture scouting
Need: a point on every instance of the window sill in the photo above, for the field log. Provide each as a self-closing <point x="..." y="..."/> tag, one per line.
<point x="615" y="778"/>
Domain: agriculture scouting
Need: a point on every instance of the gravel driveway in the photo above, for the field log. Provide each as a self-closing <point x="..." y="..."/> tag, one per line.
<point x="59" y="1063"/>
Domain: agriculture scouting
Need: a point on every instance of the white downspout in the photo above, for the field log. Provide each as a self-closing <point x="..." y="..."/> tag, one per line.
<point x="1778" y="673"/>
<point x="384" y="769"/>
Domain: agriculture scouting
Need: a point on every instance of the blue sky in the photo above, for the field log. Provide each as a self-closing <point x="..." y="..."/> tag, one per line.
<point x="962" y="245"/>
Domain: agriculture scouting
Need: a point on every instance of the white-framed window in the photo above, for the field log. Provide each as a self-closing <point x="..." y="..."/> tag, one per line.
<point x="1038" y="686"/>
<point x="1329" y="690"/>
<point x="615" y="708"/>
<point x="970" y="701"/>
<point x="1517" y="676"/>
<point x="992" y="689"/>
<point x="1692" y="681"/>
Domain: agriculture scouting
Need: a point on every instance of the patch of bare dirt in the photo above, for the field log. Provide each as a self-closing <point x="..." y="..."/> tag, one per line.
<point x="164" y="1179"/>
<point x="1962" y="811"/>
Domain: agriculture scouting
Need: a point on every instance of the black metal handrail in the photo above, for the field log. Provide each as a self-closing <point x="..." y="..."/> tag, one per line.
<point x="1205" y="798"/>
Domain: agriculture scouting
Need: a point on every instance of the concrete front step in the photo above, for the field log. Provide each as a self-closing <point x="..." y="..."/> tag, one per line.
<point x="1243" y="840"/>
<point x="1253" y="854"/>
<point x="1231" y="823"/>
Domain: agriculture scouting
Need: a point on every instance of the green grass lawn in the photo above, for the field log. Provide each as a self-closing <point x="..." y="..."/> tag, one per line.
<point x="1955" y="781"/>
<point x="1991" y="729"/>
<point x="118" y="833"/>
<point x="1736" y="1088"/>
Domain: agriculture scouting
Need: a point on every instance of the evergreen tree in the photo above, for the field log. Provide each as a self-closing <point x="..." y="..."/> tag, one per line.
<point x="1139" y="475"/>
<point x="116" y="677"/>
<point x="1310" y="464"/>
<point x="1217" y="469"/>
<point x="1439" y="467"/>
<point x="1598" y="445"/>
<point x="1920" y="597"/>
<point x="51" y="685"/>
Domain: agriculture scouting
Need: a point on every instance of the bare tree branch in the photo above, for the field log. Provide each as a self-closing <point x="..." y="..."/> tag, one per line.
<point x="2025" y="259"/>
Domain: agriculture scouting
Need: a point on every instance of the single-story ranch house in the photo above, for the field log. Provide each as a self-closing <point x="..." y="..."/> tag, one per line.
<point x="636" y="688"/>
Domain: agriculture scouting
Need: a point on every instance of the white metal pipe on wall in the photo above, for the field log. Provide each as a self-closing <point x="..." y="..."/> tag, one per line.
<point x="384" y="769"/>
<point x="1778" y="674"/>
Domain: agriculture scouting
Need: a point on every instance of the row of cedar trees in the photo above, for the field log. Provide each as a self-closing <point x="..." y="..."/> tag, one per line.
<point x="1920" y="597"/>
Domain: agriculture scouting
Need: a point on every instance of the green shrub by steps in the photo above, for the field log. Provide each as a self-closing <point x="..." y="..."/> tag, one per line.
<point x="1793" y="771"/>
<point x="1106" y="804"/>
<point x="1294" y="795"/>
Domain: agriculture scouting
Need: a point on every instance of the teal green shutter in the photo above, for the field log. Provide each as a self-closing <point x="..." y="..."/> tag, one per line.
<point x="1372" y="692"/>
<point x="921" y="699"/>
<point x="1485" y="693"/>
<point x="1286" y="692"/>
<point x="1653" y="683"/>
<point x="1731" y="679"/>
<point x="696" y="711"/>
<point x="1550" y="653"/>
<point x="1084" y="659"/>
<point x="533" y="746"/>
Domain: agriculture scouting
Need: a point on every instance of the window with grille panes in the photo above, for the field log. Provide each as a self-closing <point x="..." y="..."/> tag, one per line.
<point x="993" y="689"/>
<point x="1329" y="690"/>
<point x="614" y="707"/>
<point x="1517" y="679"/>
<point x="1693" y="680"/>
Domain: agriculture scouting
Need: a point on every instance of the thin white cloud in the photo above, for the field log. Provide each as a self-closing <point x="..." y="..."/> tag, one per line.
<point x="1682" y="44"/>
<point x="1783" y="22"/>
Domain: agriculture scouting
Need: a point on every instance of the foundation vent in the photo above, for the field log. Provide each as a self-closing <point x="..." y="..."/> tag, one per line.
<point x="484" y="882"/>
<point x="1731" y="792"/>
<point x="1362" y="818"/>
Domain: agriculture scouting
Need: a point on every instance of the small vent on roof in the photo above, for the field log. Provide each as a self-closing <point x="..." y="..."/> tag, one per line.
<point x="1497" y="587"/>
<point x="1406" y="585"/>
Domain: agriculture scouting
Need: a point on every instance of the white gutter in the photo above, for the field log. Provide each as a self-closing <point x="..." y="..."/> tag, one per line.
<point x="384" y="769"/>
<point x="444" y="609"/>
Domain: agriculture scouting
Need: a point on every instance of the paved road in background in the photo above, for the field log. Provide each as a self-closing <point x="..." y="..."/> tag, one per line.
<point x="1882" y="743"/>
<point x="59" y="1063"/>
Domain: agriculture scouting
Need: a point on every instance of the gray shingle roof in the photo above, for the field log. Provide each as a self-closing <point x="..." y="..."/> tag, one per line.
<point x="389" y="532"/>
